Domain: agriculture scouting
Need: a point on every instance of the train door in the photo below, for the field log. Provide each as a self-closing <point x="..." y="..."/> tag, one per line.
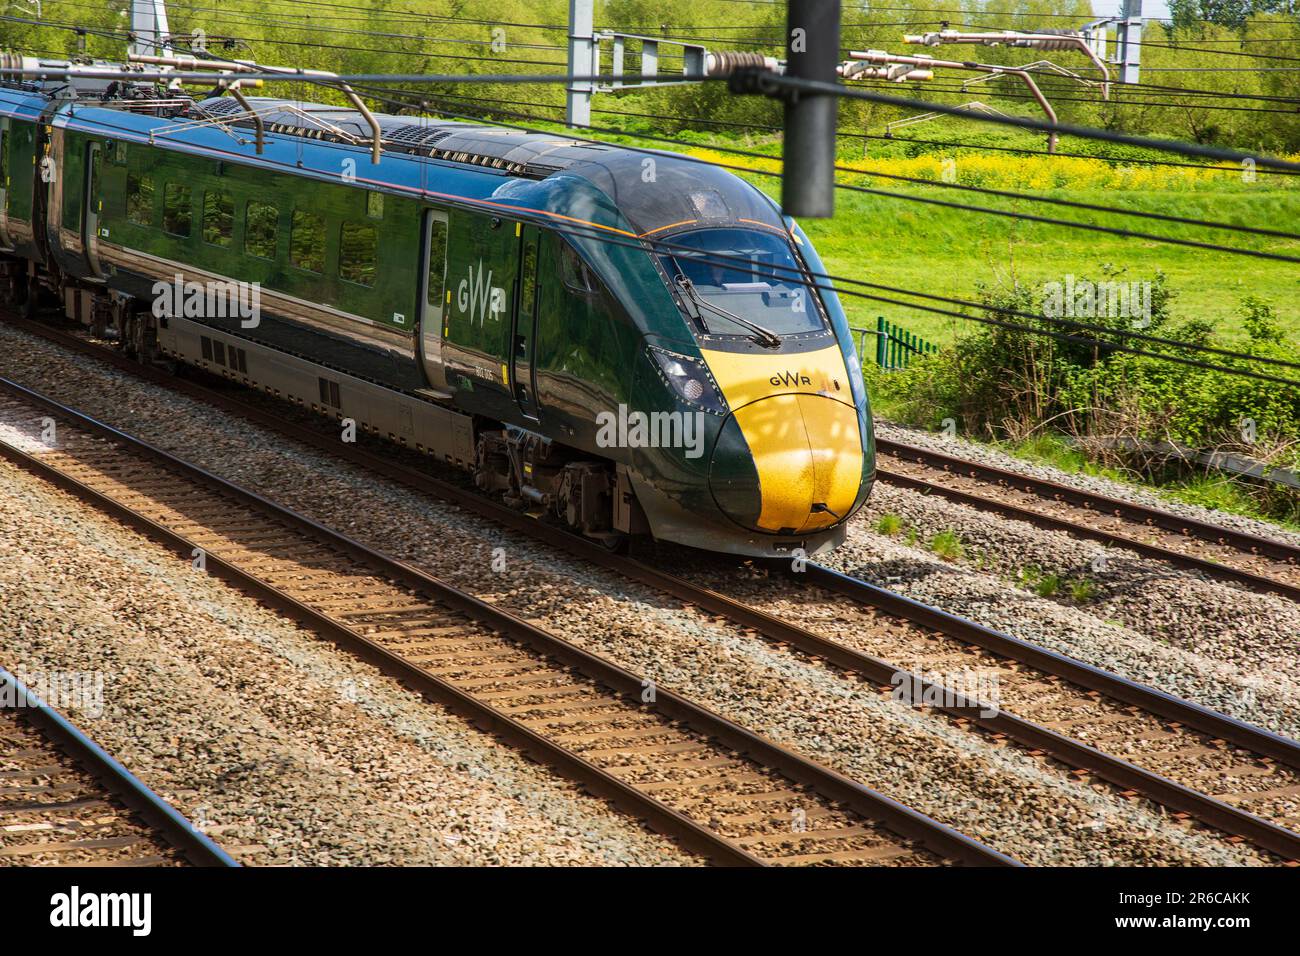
<point x="434" y="296"/>
<point x="6" y="243"/>
<point x="523" y="337"/>
<point x="94" y="206"/>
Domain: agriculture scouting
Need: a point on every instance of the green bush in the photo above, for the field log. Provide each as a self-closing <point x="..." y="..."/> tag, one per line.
<point x="1015" y="377"/>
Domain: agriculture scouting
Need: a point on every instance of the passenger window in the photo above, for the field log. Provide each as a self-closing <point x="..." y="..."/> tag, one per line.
<point x="574" y="270"/>
<point x="139" y="199"/>
<point x="260" y="223"/>
<point x="177" y="214"/>
<point x="357" y="253"/>
<point x="218" y="217"/>
<point x="437" y="262"/>
<point x="307" y="241"/>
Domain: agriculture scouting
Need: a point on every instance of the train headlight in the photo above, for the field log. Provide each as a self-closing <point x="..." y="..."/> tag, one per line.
<point x="690" y="379"/>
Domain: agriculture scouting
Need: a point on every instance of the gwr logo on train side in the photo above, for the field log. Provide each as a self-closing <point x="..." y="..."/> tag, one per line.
<point x="477" y="294"/>
<point x="790" y="378"/>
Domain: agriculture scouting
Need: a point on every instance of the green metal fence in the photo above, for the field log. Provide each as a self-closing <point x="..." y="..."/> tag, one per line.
<point x="895" y="346"/>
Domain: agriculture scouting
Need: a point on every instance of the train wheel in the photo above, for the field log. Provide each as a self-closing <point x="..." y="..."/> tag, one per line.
<point x="616" y="542"/>
<point x="30" y="304"/>
<point x="130" y="342"/>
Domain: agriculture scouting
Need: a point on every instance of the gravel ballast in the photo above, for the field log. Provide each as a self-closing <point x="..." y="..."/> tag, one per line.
<point x="988" y="455"/>
<point x="1222" y="646"/>
<point x="281" y="747"/>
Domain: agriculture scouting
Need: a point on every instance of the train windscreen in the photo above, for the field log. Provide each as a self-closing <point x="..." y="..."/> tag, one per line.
<point x="741" y="282"/>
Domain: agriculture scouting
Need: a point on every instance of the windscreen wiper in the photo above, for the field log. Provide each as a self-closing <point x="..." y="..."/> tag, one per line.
<point x="763" y="336"/>
<point x="689" y="303"/>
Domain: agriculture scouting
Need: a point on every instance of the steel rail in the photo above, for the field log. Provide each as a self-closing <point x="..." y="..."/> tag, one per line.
<point x="194" y="845"/>
<point x="1213" y="569"/>
<point x="1241" y="540"/>
<point x="1175" y="709"/>
<point x="894" y="816"/>
<point x="1207" y="809"/>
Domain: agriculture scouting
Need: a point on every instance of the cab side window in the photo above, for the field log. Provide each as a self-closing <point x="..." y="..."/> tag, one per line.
<point x="575" y="272"/>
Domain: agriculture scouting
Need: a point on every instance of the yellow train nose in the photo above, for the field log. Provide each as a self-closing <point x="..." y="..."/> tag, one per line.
<point x="803" y="470"/>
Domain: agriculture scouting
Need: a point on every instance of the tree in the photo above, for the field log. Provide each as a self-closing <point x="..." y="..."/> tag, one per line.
<point x="1226" y="13"/>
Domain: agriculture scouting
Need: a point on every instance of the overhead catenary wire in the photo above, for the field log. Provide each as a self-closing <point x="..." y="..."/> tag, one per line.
<point x="1142" y="87"/>
<point x="273" y="18"/>
<point x="775" y="82"/>
<point x="1005" y="13"/>
<point x="1220" y="69"/>
<point x="1092" y="227"/>
<point x="744" y="265"/>
<point x="1115" y="101"/>
<point x="770" y="82"/>
<point x="641" y="242"/>
<point x="429" y="17"/>
<point x="264" y="18"/>
<point x="697" y="120"/>
<point x="281" y="16"/>
<point x="1193" y="49"/>
<point x="422" y="54"/>
<point x="270" y="20"/>
<point x="1218" y="94"/>
<point x="1182" y="91"/>
<point x="967" y="303"/>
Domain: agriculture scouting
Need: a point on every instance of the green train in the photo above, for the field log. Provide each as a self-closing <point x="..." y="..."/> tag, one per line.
<point x="630" y="340"/>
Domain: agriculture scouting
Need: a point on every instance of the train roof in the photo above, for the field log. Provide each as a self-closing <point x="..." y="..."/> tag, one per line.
<point x="531" y="155"/>
<point x="655" y="190"/>
<point x="631" y="191"/>
<point x="16" y="102"/>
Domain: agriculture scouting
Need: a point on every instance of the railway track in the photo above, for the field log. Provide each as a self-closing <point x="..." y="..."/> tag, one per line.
<point x="1202" y="764"/>
<point x="718" y="788"/>
<point x="1233" y="777"/>
<point x="1252" y="561"/>
<point x="65" y="802"/>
